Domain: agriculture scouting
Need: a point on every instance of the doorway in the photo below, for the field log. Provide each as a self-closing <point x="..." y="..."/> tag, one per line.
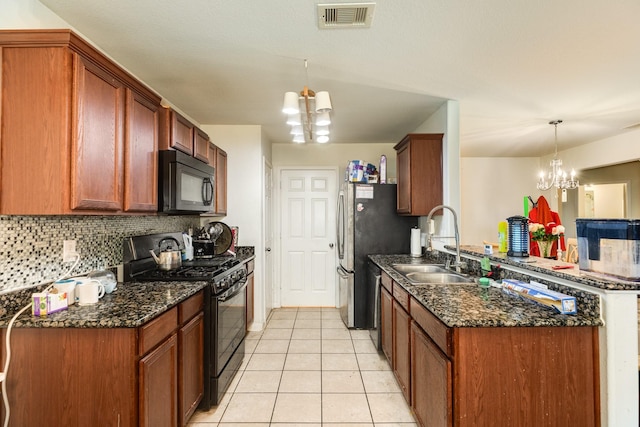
<point x="307" y="229"/>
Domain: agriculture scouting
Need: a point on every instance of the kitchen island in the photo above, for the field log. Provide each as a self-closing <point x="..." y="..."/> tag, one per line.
<point x="618" y="336"/>
<point x="469" y="356"/>
<point x="609" y="305"/>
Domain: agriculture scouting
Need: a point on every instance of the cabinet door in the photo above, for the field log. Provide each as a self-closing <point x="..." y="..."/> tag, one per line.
<point x="250" y="290"/>
<point x="403" y="171"/>
<point x="401" y="354"/>
<point x="201" y="146"/>
<point x="181" y="133"/>
<point x="212" y="155"/>
<point x="141" y="155"/>
<point x="431" y="381"/>
<point x="191" y="381"/>
<point x="36" y="91"/>
<point x="221" y="181"/>
<point x="97" y="143"/>
<point x="159" y="385"/>
<point x="386" y="329"/>
<point x="419" y="170"/>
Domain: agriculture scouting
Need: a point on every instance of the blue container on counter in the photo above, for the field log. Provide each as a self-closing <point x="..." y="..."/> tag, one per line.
<point x="609" y="246"/>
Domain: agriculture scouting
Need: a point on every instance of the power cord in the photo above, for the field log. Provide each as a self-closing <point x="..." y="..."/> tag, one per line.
<point x="3" y="375"/>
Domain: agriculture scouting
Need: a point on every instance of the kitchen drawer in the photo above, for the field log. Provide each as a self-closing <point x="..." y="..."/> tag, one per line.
<point x="402" y="296"/>
<point x="157" y="330"/>
<point x="435" y="329"/>
<point x="189" y="308"/>
<point x="386" y="281"/>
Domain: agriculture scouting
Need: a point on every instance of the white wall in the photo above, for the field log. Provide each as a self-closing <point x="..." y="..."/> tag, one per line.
<point x="244" y="146"/>
<point x="337" y="155"/>
<point x="447" y="121"/>
<point x="28" y="14"/>
<point x="492" y="190"/>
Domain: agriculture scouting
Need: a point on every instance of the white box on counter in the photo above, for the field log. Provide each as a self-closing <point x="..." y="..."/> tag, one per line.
<point x="539" y="293"/>
<point x="44" y="303"/>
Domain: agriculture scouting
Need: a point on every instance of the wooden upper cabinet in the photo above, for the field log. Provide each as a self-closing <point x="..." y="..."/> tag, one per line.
<point x="66" y="126"/>
<point x="97" y="142"/>
<point x="141" y="154"/>
<point x="419" y="173"/>
<point x="221" y="181"/>
<point x="176" y="131"/>
<point x="218" y="159"/>
<point x="201" y="146"/>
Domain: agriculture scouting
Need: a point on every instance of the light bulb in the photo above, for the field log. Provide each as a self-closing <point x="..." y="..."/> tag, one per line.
<point x="294" y="119"/>
<point x="323" y="119"/>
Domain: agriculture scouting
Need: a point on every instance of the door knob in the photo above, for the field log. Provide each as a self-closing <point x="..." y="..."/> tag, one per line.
<point x="267" y="249"/>
<point x="331" y="245"/>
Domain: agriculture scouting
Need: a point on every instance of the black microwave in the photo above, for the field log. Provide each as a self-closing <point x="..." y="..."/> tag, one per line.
<point x="185" y="184"/>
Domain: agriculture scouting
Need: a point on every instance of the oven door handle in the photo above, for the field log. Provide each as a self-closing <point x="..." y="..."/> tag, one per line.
<point x="233" y="291"/>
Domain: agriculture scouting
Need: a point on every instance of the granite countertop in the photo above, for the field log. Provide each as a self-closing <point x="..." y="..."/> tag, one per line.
<point x="544" y="266"/>
<point x="131" y="305"/>
<point x="469" y="305"/>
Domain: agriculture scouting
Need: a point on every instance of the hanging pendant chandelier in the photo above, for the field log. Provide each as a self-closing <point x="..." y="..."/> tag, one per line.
<point x="308" y="114"/>
<point x="556" y="177"/>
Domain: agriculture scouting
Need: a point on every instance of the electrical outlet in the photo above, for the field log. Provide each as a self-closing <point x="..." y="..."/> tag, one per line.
<point x="69" y="250"/>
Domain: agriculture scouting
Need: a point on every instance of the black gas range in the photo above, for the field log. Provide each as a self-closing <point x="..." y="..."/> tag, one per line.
<point x="221" y="272"/>
<point x="224" y="310"/>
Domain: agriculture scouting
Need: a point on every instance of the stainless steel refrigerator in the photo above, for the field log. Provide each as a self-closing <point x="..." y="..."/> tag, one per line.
<point x="366" y="224"/>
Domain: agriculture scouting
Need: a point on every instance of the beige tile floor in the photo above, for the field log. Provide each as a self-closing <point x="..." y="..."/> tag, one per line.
<point x="307" y="369"/>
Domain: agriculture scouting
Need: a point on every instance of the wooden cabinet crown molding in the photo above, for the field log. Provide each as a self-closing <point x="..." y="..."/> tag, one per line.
<point x="67" y="38"/>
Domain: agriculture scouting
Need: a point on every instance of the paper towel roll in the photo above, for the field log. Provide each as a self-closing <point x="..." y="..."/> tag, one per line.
<point x="416" y="248"/>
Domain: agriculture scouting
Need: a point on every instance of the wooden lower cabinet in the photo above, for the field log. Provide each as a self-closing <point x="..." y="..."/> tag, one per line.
<point x="402" y="358"/>
<point x="190" y="367"/>
<point x="159" y="385"/>
<point x="490" y="376"/>
<point x="77" y="377"/>
<point x="431" y="382"/>
<point x="127" y="377"/>
<point x="386" y="328"/>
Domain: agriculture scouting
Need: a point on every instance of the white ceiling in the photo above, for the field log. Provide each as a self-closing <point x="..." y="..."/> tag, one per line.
<point x="513" y="65"/>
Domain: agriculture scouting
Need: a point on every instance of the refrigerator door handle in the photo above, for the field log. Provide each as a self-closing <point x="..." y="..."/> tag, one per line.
<point x="340" y="220"/>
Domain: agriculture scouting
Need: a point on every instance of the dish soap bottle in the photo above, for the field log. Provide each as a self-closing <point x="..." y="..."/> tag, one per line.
<point x="502" y="237"/>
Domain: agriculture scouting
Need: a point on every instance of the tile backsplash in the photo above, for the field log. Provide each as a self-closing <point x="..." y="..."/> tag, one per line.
<point x="31" y="246"/>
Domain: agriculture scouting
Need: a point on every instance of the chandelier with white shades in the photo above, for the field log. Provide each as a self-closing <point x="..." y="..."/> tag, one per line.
<point x="556" y="177"/>
<point x="308" y="114"/>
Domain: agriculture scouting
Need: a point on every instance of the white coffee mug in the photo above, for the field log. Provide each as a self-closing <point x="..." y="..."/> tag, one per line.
<point x="68" y="286"/>
<point x="89" y="291"/>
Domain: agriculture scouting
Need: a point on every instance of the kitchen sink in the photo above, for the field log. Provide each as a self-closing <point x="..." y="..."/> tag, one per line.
<point x="430" y="273"/>
<point x="437" y="278"/>
<point x="419" y="268"/>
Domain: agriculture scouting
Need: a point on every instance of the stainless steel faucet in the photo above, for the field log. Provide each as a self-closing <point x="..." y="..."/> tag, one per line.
<point x="459" y="265"/>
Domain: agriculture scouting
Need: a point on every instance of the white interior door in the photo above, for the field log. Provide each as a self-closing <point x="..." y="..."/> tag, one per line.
<point x="308" y="200"/>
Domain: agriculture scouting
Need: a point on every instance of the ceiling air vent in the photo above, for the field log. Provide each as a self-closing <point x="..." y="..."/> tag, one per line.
<point x="345" y="15"/>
